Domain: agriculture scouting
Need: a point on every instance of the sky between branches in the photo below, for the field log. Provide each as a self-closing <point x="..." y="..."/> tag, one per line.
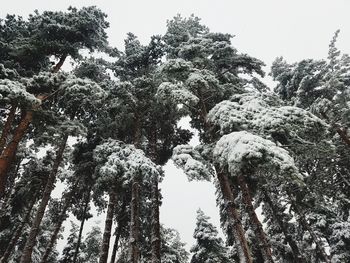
<point x="294" y="29"/>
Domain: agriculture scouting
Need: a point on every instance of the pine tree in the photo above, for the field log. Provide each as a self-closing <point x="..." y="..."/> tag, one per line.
<point x="209" y="247"/>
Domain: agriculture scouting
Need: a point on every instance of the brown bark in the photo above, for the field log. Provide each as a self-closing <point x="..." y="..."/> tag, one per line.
<point x="156" y="241"/>
<point x="86" y="205"/>
<point x="28" y="249"/>
<point x="58" y="66"/>
<point x="265" y="247"/>
<point x="108" y="228"/>
<point x="234" y="218"/>
<point x="17" y="234"/>
<point x="9" y="152"/>
<point x="305" y="225"/>
<point x="134" y="252"/>
<point x="298" y="258"/>
<point x="343" y="135"/>
<point x="62" y="217"/>
<point x="7" y="127"/>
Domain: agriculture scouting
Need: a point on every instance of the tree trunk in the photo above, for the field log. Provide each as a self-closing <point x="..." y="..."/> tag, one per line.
<point x="156" y="241"/>
<point x="58" y="66"/>
<point x="9" y="152"/>
<point x="116" y="241"/>
<point x="28" y="249"/>
<point x="108" y="228"/>
<point x="305" y="225"/>
<point x="61" y="218"/>
<point x="16" y="235"/>
<point x="234" y="218"/>
<point x="134" y="253"/>
<point x="120" y="226"/>
<point x="7" y="127"/>
<point x="86" y="205"/>
<point x="257" y="226"/>
<point x="298" y="258"/>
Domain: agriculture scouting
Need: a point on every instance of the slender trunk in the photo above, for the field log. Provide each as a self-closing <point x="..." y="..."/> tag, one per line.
<point x="58" y="66"/>
<point x="116" y="241"/>
<point x="120" y="220"/>
<point x="234" y="218"/>
<point x="28" y="249"/>
<point x="9" y="152"/>
<point x="108" y="228"/>
<point x="256" y="224"/>
<point x="155" y="238"/>
<point x="156" y="241"/>
<point x="61" y="218"/>
<point x="17" y="234"/>
<point x="343" y="135"/>
<point x="86" y="206"/>
<point x="7" y="127"/>
<point x="134" y="253"/>
<point x="305" y="225"/>
<point x="298" y="258"/>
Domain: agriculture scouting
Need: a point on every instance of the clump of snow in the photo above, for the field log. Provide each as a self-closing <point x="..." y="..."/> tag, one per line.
<point x="242" y="151"/>
<point x="192" y="163"/>
<point x="121" y="162"/>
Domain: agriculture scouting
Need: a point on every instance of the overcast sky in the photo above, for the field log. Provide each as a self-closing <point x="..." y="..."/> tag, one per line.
<point x="265" y="29"/>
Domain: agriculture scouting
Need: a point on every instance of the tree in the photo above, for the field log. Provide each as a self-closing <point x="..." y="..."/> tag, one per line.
<point x="209" y="247"/>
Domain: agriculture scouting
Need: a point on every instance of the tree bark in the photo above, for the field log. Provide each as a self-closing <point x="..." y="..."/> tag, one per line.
<point x="156" y="241"/>
<point x="234" y="218"/>
<point x="134" y="253"/>
<point x="8" y="154"/>
<point x="17" y="234"/>
<point x="61" y="218"/>
<point x="28" y="249"/>
<point x="116" y="241"/>
<point x="86" y="205"/>
<point x="265" y="247"/>
<point x="58" y="66"/>
<point x="108" y="228"/>
<point x="7" y="127"/>
<point x="298" y="258"/>
<point x="120" y="226"/>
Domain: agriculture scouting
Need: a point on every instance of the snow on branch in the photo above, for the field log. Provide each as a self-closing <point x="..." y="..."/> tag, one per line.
<point x="192" y="163"/>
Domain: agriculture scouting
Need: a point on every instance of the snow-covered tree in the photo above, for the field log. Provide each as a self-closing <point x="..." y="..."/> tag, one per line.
<point x="209" y="247"/>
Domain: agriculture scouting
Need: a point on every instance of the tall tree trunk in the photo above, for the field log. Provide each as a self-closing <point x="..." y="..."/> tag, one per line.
<point x="116" y="243"/>
<point x="156" y="241"/>
<point x="16" y="235"/>
<point x="118" y="232"/>
<point x="8" y="154"/>
<point x="134" y="253"/>
<point x="28" y="249"/>
<point x="305" y="225"/>
<point x="86" y="205"/>
<point x="234" y="218"/>
<point x="108" y="228"/>
<point x="257" y="226"/>
<point x="298" y="258"/>
<point x="61" y="218"/>
<point x="7" y="127"/>
<point x="155" y="238"/>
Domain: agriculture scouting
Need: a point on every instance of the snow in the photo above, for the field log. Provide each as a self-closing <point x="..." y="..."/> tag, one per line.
<point x="242" y="150"/>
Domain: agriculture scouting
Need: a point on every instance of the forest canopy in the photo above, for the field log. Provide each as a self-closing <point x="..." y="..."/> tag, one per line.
<point x="100" y="130"/>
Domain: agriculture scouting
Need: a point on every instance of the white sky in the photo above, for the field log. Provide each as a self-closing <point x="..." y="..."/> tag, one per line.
<point x="265" y="29"/>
